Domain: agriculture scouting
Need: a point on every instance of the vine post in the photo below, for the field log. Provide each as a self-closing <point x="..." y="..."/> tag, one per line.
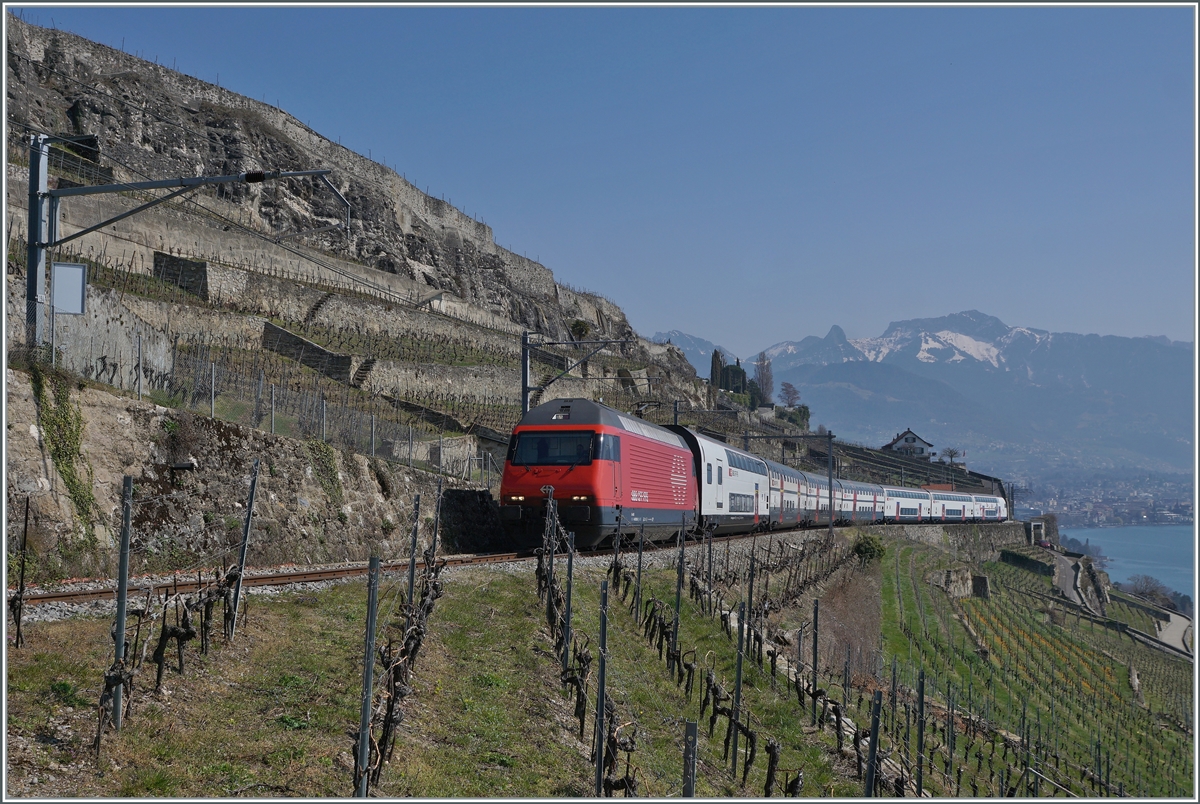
<point x="816" y="634"/>
<point x="567" y="622"/>
<point x="873" y="748"/>
<point x="689" y="758"/>
<point x="600" y="691"/>
<point x="737" y="684"/>
<point x="678" y="596"/>
<point x="920" y="728"/>
<point x="361" y="768"/>
<point x="122" y="589"/>
<point x="237" y="589"/>
<point x="412" y="563"/>
<point x="641" y="544"/>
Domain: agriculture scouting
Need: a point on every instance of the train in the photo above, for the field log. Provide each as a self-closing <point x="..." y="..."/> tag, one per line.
<point x="609" y="472"/>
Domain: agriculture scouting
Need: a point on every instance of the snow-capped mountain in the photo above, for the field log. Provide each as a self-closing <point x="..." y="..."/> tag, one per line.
<point x="1020" y="398"/>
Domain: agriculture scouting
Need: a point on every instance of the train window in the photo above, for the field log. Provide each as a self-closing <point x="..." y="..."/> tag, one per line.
<point x="720" y="478"/>
<point x="512" y="448"/>
<point x="607" y="447"/>
<point x="560" y="448"/>
<point x="710" y="474"/>
<point x="741" y="503"/>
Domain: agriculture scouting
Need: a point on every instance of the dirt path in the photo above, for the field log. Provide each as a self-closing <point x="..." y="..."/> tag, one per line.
<point x="1067" y="579"/>
<point x="1178" y="632"/>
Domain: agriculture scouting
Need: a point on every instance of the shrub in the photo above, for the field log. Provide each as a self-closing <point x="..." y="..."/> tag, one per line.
<point x="868" y="547"/>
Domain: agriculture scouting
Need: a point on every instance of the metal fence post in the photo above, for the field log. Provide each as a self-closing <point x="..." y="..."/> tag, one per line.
<point x="737" y="685"/>
<point x="237" y="589"/>
<point x="600" y="689"/>
<point x="364" y="724"/>
<point x="212" y="391"/>
<point x="708" y="532"/>
<point x="641" y="543"/>
<point x="272" y="408"/>
<point x="412" y="564"/>
<point x="678" y="598"/>
<point x="920" y="729"/>
<point x="437" y="519"/>
<point x="570" y="579"/>
<point x="122" y="587"/>
<point x="750" y="604"/>
<point x="689" y="759"/>
<point x="139" y="363"/>
<point x="873" y="747"/>
<point x="830" y="436"/>
<point x="816" y="635"/>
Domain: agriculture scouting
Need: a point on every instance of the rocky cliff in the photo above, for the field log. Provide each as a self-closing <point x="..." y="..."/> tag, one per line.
<point x="145" y="121"/>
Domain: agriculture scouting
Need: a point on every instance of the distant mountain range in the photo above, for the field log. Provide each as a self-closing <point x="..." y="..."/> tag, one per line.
<point x="697" y="350"/>
<point x="1022" y="402"/>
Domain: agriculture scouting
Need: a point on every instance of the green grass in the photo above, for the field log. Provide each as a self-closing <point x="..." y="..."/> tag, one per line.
<point x="487" y="715"/>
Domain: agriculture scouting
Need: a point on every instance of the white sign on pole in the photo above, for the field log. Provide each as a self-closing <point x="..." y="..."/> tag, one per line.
<point x="68" y="288"/>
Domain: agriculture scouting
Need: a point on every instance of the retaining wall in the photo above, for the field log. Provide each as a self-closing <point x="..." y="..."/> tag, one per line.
<point x="975" y="543"/>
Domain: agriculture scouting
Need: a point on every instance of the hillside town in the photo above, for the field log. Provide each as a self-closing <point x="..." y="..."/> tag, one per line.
<point x="1110" y="502"/>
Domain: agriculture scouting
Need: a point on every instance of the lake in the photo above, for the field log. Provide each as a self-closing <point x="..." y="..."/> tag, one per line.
<point x="1164" y="552"/>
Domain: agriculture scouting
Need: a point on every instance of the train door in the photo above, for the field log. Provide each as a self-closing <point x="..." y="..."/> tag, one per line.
<point x="720" y="496"/>
<point x="618" y="468"/>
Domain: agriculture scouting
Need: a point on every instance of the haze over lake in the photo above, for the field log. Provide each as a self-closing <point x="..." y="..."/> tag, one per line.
<point x="1164" y="552"/>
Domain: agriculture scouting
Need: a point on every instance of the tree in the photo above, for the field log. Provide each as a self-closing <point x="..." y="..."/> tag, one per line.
<point x="764" y="377"/>
<point x="950" y="453"/>
<point x="580" y="329"/>
<point x="756" y="396"/>
<point x="790" y="395"/>
<point x="1152" y="589"/>
<point x="733" y="378"/>
<point x="718" y="367"/>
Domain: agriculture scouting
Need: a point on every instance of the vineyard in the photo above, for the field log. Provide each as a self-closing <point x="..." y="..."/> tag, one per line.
<point x="1031" y="683"/>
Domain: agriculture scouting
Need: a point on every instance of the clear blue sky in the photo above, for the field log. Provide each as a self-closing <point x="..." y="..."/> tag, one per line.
<point x="757" y="175"/>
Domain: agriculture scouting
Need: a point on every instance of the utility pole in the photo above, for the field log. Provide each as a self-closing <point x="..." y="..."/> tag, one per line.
<point x="44" y="213"/>
<point x="39" y="234"/>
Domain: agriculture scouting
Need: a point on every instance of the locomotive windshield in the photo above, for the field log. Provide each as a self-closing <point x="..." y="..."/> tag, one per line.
<point x="556" y="448"/>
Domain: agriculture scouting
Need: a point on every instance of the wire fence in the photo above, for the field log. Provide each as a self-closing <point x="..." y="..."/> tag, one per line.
<point x="256" y="388"/>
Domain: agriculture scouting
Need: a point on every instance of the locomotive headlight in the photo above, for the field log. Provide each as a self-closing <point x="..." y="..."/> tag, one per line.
<point x="580" y="498"/>
<point x="516" y="498"/>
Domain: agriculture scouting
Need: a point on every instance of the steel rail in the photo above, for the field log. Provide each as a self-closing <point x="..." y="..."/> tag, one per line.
<point x="288" y="578"/>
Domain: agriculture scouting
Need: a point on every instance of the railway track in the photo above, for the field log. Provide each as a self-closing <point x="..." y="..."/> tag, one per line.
<point x="288" y="578"/>
<point x="272" y="579"/>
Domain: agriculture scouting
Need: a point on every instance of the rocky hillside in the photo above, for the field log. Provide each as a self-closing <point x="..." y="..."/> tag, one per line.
<point x="150" y="122"/>
<point x="68" y="447"/>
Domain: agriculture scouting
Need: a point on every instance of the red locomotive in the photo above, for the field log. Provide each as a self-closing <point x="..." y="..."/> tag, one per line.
<point x="602" y="465"/>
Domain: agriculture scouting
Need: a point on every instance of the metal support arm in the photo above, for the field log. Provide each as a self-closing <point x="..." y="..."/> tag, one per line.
<point x="122" y="216"/>
<point x="44" y="206"/>
<point x="250" y="177"/>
